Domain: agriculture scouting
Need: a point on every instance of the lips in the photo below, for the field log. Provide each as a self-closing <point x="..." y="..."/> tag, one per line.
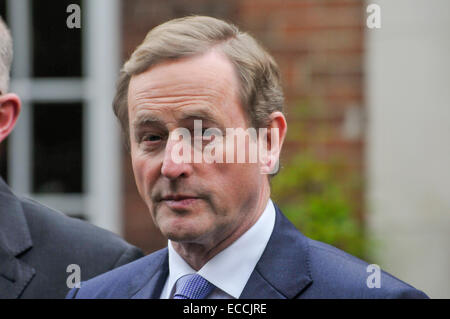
<point x="179" y="201"/>
<point x="178" y="197"/>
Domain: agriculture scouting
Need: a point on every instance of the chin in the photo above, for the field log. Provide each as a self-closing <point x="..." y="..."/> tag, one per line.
<point x="185" y="237"/>
<point x="179" y="230"/>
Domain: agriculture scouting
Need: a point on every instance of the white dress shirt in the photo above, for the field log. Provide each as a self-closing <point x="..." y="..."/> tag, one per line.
<point x="230" y="269"/>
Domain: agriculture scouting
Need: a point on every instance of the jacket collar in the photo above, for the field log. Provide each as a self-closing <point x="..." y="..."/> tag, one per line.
<point x="15" y="239"/>
<point x="283" y="269"/>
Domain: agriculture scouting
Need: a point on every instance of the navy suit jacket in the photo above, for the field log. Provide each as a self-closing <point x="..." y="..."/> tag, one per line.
<point x="37" y="244"/>
<point x="292" y="266"/>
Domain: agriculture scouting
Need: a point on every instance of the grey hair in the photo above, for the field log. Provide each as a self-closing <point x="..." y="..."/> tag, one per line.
<point x="6" y="55"/>
<point x="259" y="77"/>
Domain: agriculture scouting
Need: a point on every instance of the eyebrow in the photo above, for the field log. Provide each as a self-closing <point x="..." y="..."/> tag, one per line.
<point x="152" y="120"/>
<point x="200" y="114"/>
<point x="145" y="120"/>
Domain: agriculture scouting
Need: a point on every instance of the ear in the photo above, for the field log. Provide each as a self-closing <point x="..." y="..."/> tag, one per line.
<point x="274" y="138"/>
<point x="9" y="113"/>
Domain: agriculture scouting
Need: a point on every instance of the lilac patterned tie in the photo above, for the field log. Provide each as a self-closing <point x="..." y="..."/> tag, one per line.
<point x="192" y="287"/>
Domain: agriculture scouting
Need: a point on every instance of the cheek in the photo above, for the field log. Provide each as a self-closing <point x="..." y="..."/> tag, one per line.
<point x="144" y="173"/>
<point x="240" y="172"/>
<point x="228" y="180"/>
<point x="138" y="173"/>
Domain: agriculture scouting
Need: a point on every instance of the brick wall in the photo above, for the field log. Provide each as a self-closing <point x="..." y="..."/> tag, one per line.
<point x="319" y="48"/>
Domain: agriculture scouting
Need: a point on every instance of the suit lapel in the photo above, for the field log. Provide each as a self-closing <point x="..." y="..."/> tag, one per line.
<point x="154" y="276"/>
<point x="283" y="269"/>
<point x="15" y="239"/>
<point x="14" y="275"/>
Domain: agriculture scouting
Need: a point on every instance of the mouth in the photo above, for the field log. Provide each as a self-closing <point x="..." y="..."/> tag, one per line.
<point x="179" y="201"/>
<point x="178" y="197"/>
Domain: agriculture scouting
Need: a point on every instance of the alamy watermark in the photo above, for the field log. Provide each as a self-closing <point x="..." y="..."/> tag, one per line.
<point x="238" y="146"/>
<point x="374" y="279"/>
<point x="73" y="21"/>
<point x="374" y="18"/>
<point x="74" y="279"/>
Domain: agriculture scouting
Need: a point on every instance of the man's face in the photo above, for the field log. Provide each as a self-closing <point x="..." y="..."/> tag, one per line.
<point x="190" y="202"/>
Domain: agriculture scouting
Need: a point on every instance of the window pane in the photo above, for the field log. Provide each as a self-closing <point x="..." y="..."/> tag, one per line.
<point x="4" y="160"/>
<point x="3" y="10"/>
<point x="57" y="142"/>
<point x="56" y="48"/>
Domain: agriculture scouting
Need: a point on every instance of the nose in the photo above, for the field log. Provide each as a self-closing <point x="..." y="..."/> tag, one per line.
<point x="175" y="165"/>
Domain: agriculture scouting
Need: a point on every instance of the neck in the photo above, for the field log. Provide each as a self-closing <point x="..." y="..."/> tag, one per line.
<point x="197" y="255"/>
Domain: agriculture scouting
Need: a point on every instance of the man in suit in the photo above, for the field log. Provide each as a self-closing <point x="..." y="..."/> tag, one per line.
<point x="227" y="239"/>
<point x="41" y="249"/>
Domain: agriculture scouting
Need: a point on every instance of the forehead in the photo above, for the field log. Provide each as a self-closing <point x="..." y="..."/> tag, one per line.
<point x="206" y="81"/>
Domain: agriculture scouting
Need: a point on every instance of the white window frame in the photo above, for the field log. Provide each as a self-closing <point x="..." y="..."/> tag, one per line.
<point x="101" y="200"/>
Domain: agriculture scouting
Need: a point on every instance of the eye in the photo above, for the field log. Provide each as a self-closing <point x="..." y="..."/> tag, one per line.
<point x="151" y="138"/>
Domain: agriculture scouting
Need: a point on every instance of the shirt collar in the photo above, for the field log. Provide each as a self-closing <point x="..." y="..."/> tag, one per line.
<point x="221" y="269"/>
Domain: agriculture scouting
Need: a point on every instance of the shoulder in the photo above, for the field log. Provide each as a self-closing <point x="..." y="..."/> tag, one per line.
<point x="64" y="238"/>
<point x="337" y="274"/>
<point x="328" y="271"/>
<point x="123" y="281"/>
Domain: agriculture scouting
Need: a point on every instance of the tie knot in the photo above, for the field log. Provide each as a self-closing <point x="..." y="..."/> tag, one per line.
<point x="192" y="286"/>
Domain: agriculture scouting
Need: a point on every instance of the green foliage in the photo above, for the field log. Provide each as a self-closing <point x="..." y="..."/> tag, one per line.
<point x="316" y="196"/>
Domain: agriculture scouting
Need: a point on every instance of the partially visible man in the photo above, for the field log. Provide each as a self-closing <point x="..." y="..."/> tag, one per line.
<point x="37" y="244"/>
<point x="227" y="239"/>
